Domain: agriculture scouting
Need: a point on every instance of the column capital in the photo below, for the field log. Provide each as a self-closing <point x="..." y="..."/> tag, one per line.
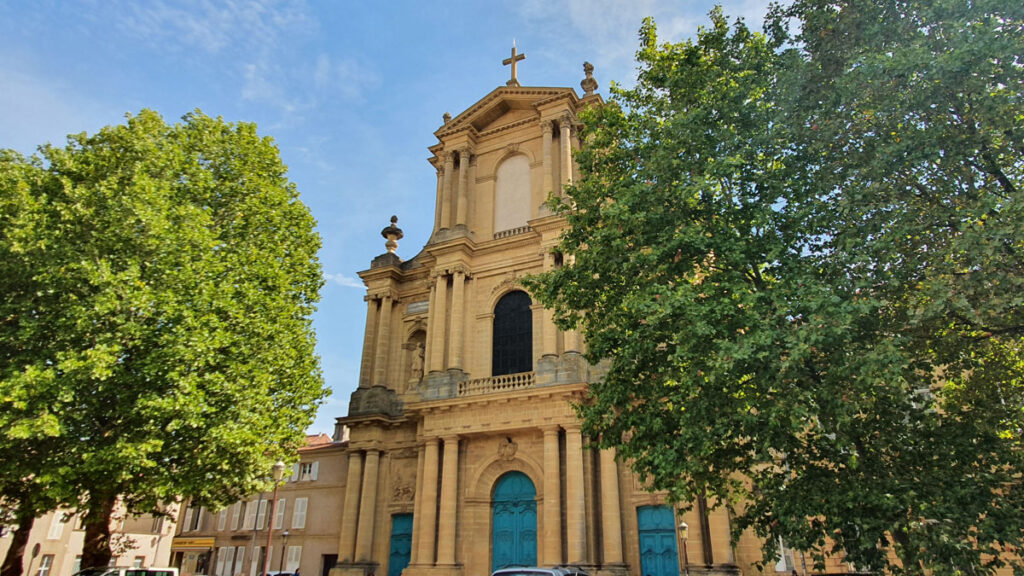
<point x="381" y="294"/>
<point x="551" y="429"/>
<point x="565" y="122"/>
<point x="573" y="427"/>
<point x="547" y="127"/>
<point x="451" y="438"/>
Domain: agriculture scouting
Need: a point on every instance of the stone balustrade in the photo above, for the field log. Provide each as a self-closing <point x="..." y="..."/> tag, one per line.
<point x="504" y="383"/>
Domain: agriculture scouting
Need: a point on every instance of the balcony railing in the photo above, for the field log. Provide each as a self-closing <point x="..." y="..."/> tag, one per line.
<point x="512" y="232"/>
<point x="504" y="383"/>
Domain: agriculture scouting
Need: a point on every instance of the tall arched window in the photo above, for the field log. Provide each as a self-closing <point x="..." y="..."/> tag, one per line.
<point x="512" y="194"/>
<point x="513" y="335"/>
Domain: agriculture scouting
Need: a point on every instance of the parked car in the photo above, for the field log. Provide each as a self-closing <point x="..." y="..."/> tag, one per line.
<point x="561" y="570"/>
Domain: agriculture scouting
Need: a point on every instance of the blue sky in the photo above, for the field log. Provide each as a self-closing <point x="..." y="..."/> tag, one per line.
<point x="350" y="91"/>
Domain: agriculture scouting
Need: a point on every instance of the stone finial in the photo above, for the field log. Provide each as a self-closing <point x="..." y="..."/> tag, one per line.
<point x="393" y="234"/>
<point x="447" y="117"/>
<point x="588" y="84"/>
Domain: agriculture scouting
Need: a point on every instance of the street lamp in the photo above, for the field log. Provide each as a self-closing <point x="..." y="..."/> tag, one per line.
<point x="284" y="546"/>
<point x="278" y="472"/>
<point x="684" y="533"/>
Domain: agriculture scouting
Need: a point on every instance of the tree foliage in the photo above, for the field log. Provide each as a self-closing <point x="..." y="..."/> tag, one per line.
<point x="156" y="288"/>
<point x="802" y="256"/>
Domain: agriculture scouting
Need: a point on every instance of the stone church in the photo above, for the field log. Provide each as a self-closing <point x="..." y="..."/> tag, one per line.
<point x="461" y="452"/>
<point x="464" y="452"/>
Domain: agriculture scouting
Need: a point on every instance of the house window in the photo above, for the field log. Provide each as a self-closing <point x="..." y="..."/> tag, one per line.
<point x="45" y="565"/>
<point x="299" y="513"/>
<point x="294" y="557"/>
<point x="513" y="335"/>
<point x="56" y="526"/>
<point x="308" y="470"/>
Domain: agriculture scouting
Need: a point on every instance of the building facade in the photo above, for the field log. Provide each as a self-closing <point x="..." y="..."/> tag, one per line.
<point x="55" y="543"/>
<point x="300" y="532"/>
<point x="465" y="454"/>
<point x="461" y="450"/>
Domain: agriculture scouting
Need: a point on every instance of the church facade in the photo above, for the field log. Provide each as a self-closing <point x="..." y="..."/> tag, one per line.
<point x="461" y="452"/>
<point x="464" y="452"/>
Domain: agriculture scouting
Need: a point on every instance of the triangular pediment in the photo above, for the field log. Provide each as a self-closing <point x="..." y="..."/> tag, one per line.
<point x="504" y="105"/>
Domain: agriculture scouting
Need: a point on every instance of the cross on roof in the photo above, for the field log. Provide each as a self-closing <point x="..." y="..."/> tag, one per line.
<point x="512" y="60"/>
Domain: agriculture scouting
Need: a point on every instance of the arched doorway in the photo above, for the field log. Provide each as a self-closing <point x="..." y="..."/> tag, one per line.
<point x="514" y="522"/>
<point x="659" y="555"/>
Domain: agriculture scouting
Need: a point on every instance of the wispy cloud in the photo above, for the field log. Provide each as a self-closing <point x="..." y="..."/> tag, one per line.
<point x="342" y="280"/>
<point x="610" y="26"/>
<point x="212" y="27"/>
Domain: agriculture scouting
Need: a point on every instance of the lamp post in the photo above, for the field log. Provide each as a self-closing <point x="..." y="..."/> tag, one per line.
<point x="278" y="472"/>
<point x="684" y="533"/>
<point x="284" y="546"/>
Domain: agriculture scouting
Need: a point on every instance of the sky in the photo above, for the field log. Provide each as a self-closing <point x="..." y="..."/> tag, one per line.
<point x="351" y="92"/>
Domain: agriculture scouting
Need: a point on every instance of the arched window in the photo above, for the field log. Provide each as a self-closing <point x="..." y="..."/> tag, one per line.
<point x="513" y="335"/>
<point x="512" y="194"/>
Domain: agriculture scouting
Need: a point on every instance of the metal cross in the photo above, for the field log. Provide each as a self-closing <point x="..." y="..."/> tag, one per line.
<point x="512" y="60"/>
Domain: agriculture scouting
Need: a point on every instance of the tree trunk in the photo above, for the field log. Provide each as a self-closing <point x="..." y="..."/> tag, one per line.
<point x="96" y="548"/>
<point x="15" y="557"/>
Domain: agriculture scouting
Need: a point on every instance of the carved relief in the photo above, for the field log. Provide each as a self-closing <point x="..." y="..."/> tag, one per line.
<point x="403" y="482"/>
<point x="507" y="448"/>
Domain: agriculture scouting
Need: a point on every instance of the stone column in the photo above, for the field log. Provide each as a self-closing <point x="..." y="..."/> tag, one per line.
<point x="463" y="202"/>
<point x="367" y="507"/>
<point x="417" y="529"/>
<point x="428" y="505"/>
<point x="449" y="499"/>
<point x="438" y="317"/>
<point x="565" y="125"/>
<point x="446" y="190"/>
<point x="350" y="515"/>
<point x="575" y="502"/>
<point x="380" y="365"/>
<point x="458" y="310"/>
<point x="439" y="198"/>
<point x="549" y="340"/>
<point x="552" y="554"/>
<point x="611" y="521"/>
<point x="547" y="128"/>
<point x="366" y="364"/>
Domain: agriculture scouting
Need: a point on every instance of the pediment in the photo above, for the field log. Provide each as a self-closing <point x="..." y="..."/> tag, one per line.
<point x="504" y="105"/>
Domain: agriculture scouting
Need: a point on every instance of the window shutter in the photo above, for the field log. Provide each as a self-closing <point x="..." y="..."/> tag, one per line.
<point x="295" y="473"/>
<point x="314" y="471"/>
<point x="279" y="515"/>
<point x="236" y="513"/>
<point x="187" y="524"/>
<point x="222" y="519"/>
<point x="299" y="513"/>
<point x="294" y="558"/>
<point x="221" y="555"/>
<point x="261" y="515"/>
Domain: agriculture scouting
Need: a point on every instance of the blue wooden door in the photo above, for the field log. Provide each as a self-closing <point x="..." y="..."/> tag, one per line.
<point x="659" y="555"/>
<point x="514" y="521"/>
<point x="401" y="543"/>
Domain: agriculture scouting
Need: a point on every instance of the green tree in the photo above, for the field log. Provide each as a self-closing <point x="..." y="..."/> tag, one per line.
<point x="801" y="259"/>
<point x="157" y="285"/>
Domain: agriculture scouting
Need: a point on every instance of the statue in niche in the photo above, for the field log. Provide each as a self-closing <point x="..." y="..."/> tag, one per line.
<point x="417" y="362"/>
